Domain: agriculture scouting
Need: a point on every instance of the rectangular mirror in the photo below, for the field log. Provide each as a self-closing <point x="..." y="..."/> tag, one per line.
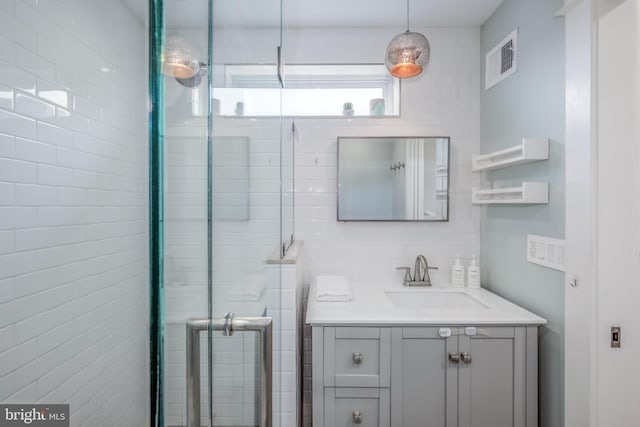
<point x="393" y="179"/>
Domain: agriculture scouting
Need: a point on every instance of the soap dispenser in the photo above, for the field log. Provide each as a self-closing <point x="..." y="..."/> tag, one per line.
<point x="473" y="274"/>
<point x="457" y="273"/>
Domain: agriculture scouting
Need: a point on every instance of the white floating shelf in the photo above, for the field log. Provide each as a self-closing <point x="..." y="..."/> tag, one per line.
<point x="529" y="193"/>
<point x="529" y="150"/>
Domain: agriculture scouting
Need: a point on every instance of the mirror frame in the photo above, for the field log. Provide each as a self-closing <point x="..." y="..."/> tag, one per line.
<point x="448" y="138"/>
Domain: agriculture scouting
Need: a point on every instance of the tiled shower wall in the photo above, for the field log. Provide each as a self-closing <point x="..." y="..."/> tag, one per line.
<point x="73" y="209"/>
<point x="241" y="246"/>
<point x="242" y="242"/>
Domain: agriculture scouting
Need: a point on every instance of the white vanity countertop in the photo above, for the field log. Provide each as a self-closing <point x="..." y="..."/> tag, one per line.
<point x="371" y="306"/>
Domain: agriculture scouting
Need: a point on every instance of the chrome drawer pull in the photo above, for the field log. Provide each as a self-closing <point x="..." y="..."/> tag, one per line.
<point x="357" y="417"/>
<point x="466" y="357"/>
<point x="454" y="357"/>
<point x="357" y="357"/>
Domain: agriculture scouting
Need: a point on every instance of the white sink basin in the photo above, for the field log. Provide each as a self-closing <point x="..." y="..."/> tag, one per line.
<point x="433" y="299"/>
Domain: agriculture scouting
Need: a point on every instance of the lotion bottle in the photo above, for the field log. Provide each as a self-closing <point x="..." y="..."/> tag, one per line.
<point x="457" y="273"/>
<point x="473" y="274"/>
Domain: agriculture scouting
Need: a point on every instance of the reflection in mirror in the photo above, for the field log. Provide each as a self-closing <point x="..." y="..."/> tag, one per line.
<point x="393" y="179"/>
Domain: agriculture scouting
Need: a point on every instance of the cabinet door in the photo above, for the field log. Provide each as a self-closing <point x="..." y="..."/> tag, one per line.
<point x="363" y="407"/>
<point x="424" y="380"/>
<point x="492" y="383"/>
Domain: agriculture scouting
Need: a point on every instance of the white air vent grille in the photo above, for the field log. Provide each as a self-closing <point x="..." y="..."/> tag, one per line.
<point x="501" y="61"/>
<point x="507" y="57"/>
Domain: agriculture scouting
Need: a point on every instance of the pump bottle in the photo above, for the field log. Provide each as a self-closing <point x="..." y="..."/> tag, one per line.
<point x="457" y="273"/>
<point x="473" y="274"/>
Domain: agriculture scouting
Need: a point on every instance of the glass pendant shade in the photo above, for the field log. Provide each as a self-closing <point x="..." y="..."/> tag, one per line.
<point x="407" y="54"/>
<point x="178" y="59"/>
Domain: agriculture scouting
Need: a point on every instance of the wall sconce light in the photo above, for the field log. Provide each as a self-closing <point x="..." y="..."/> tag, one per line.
<point x="178" y="59"/>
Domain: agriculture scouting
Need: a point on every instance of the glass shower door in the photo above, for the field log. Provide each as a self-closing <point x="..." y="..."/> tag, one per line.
<point x="186" y="215"/>
<point x="222" y="219"/>
<point x="246" y="188"/>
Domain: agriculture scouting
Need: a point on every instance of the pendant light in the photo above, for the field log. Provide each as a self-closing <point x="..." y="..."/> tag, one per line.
<point x="407" y="53"/>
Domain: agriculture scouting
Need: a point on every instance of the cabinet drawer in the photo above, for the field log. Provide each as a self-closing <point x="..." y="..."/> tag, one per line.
<point x="363" y="407"/>
<point x="357" y="357"/>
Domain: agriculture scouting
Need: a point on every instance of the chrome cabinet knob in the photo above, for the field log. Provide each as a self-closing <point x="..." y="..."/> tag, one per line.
<point x="466" y="357"/>
<point x="454" y="357"/>
<point x="357" y="417"/>
<point x="357" y="357"/>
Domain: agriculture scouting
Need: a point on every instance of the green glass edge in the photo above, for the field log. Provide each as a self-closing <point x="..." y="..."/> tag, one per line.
<point x="156" y="214"/>
<point x="210" y="209"/>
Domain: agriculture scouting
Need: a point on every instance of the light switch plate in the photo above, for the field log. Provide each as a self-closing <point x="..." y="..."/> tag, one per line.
<point x="545" y="251"/>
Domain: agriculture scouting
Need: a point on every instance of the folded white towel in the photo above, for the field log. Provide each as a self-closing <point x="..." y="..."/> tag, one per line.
<point x="333" y="289"/>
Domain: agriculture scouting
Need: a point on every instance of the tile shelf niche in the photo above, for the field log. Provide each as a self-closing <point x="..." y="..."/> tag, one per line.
<point x="528" y="193"/>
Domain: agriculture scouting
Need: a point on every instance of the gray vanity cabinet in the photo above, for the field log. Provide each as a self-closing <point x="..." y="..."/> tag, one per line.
<point x="418" y="376"/>
<point x="487" y="379"/>
<point x="424" y="382"/>
<point x="351" y="376"/>
<point x="366" y="407"/>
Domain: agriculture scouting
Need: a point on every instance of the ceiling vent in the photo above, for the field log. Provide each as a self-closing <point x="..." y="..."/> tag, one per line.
<point x="502" y="60"/>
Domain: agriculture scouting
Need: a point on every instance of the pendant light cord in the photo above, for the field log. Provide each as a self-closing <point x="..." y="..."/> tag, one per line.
<point x="407" y="16"/>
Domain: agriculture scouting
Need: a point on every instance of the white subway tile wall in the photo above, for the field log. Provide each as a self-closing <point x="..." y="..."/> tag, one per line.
<point x="73" y="209"/>
<point x="243" y="239"/>
<point x="285" y="285"/>
<point x="241" y="245"/>
<point x="443" y="101"/>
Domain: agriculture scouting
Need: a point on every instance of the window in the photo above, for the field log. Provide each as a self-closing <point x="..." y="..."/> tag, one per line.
<point x="310" y="90"/>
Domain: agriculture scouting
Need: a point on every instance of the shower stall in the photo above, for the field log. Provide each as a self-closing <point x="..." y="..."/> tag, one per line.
<point x="147" y="255"/>
<point x="221" y="213"/>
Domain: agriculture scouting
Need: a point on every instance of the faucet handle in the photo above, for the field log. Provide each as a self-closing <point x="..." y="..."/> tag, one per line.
<point x="407" y="273"/>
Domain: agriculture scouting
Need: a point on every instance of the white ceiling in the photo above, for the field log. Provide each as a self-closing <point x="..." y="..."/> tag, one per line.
<point x="323" y="13"/>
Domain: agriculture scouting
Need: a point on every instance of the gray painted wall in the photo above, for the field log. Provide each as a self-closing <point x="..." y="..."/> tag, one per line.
<point x="528" y="103"/>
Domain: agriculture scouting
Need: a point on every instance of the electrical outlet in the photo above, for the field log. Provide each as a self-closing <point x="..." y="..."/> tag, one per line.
<point x="545" y="251"/>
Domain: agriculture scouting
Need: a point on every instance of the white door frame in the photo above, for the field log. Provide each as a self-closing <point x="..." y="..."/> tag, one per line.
<point x="580" y="169"/>
<point x="597" y="394"/>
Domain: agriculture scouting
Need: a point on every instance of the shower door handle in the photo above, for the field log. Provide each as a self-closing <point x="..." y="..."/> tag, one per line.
<point x="229" y="324"/>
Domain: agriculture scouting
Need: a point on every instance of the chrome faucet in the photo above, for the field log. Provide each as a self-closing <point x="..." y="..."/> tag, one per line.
<point x="421" y="264"/>
<point x="420" y="273"/>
